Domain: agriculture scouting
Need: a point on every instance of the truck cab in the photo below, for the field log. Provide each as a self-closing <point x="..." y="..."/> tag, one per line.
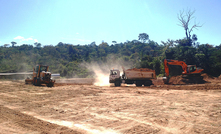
<point x="114" y="75"/>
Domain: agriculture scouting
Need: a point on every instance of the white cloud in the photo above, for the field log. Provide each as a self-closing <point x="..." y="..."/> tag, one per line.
<point x="19" y="37"/>
<point x="77" y="33"/>
<point x="35" y="40"/>
<point x="22" y="38"/>
<point x="29" y="39"/>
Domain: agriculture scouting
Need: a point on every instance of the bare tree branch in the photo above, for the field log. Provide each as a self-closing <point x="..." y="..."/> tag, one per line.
<point x="184" y="21"/>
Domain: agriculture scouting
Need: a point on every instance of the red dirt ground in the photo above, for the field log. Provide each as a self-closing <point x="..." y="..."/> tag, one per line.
<point x="76" y="108"/>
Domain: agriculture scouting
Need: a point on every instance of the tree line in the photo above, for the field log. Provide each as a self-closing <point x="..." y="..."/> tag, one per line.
<point x="66" y="59"/>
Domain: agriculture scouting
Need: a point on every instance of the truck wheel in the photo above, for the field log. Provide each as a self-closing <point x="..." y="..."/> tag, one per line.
<point x="117" y="83"/>
<point x="138" y="83"/>
<point x="148" y="83"/>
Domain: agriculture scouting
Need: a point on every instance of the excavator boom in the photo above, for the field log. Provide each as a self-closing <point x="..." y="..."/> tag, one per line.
<point x="174" y="62"/>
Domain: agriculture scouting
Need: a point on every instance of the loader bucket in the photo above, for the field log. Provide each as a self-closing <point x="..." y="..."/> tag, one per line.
<point x="28" y="81"/>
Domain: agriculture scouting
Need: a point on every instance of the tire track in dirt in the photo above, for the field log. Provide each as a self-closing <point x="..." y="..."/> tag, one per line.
<point x="81" y="126"/>
<point x="173" y="123"/>
<point x="110" y="116"/>
<point x="28" y="123"/>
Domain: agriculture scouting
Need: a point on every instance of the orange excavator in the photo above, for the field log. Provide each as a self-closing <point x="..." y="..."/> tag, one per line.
<point x="190" y="71"/>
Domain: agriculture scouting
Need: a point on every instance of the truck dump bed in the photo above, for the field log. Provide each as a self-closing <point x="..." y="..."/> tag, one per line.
<point x="140" y="74"/>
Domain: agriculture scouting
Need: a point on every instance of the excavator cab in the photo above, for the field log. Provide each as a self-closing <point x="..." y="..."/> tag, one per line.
<point x="191" y="68"/>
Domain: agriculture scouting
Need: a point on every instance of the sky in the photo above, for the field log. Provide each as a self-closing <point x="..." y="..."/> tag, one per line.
<point x="84" y="21"/>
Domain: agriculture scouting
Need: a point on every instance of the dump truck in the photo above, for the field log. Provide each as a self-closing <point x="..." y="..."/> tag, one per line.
<point x="139" y="77"/>
<point x="41" y="76"/>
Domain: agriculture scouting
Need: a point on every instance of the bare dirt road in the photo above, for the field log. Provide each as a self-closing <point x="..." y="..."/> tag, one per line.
<point x="90" y="109"/>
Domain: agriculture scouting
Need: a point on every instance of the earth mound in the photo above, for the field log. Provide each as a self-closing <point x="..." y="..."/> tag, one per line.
<point x="206" y="76"/>
<point x="180" y="80"/>
<point x="176" y="80"/>
<point x="158" y="81"/>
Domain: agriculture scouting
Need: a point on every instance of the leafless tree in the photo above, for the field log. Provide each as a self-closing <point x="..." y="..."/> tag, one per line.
<point x="184" y="21"/>
<point x="6" y="45"/>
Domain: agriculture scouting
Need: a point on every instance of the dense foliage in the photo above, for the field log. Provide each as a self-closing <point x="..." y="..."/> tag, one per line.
<point x="66" y="59"/>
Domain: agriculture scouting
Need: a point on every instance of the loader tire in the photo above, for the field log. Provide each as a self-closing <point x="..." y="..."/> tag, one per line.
<point x="34" y="81"/>
<point x="38" y="82"/>
<point x="50" y="84"/>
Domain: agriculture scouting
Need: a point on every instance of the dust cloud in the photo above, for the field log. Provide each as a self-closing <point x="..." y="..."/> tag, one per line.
<point x="102" y="78"/>
<point x="101" y="70"/>
<point x="101" y="73"/>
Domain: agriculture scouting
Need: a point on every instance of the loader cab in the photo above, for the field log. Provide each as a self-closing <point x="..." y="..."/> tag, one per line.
<point x="39" y="70"/>
<point x="42" y="68"/>
<point x="36" y="69"/>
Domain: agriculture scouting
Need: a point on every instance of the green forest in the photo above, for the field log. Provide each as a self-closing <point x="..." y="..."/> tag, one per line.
<point x="76" y="60"/>
<point x="67" y="59"/>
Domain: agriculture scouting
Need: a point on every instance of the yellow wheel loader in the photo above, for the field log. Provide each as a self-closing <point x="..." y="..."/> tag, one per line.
<point x="41" y="76"/>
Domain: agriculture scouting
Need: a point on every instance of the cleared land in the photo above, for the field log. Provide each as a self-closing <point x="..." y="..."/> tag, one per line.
<point x="85" y="108"/>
